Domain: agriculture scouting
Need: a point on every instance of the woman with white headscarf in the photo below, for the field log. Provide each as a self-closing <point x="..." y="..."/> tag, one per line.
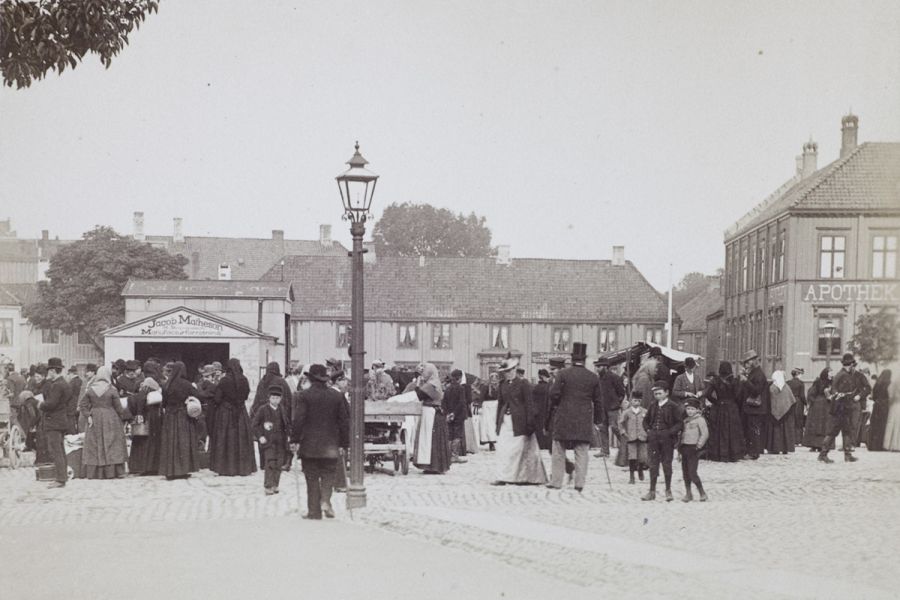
<point x="104" y="453"/>
<point x="781" y="431"/>
<point x="432" y="447"/>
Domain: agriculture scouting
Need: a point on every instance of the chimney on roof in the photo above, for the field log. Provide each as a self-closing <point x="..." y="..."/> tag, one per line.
<point x="849" y="129"/>
<point x="278" y="235"/>
<point x="177" y="234"/>
<point x="325" y="235"/>
<point x="45" y="235"/>
<point x="810" y="152"/>
<point x="138" y="226"/>
<point x="618" y="256"/>
<point x="503" y="255"/>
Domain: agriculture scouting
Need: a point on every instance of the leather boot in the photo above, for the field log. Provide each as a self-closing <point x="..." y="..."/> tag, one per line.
<point x="631" y="477"/>
<point x="849" y="457"/>
<point x="669" y="496"/>
<point x="702" y="493"/>
<point x="641" y="474"/>
<point x="651" y="495"/>
<point x="688" y="497"/>
<point x="823" y="457"/>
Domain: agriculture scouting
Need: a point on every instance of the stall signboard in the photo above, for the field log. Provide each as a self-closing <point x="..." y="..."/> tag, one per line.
<point x="182" y="323"/>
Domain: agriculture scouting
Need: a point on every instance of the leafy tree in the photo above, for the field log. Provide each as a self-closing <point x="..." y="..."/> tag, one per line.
<point x="876" y="338"/>
<point x="86" y="280"/>
<point x="423" y="230"/>
<point x="690" y="286"/>
<point x="38" y="36"/>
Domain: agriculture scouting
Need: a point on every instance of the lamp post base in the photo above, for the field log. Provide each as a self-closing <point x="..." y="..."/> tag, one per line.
<point x="356" y="497"/>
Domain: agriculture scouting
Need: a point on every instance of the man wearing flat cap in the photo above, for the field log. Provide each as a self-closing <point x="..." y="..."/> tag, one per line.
<point x="755" y="406"/>
<point x="845" y="394"/>
<point x="577" y="407"/>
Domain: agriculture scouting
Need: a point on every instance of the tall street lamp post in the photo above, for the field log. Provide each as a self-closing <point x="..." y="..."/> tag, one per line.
<point x="829" y="328"/>
<point x="357" y="186"/>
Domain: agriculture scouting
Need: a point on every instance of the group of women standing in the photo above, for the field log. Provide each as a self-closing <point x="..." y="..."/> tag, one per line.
<point x="164" y="408"/>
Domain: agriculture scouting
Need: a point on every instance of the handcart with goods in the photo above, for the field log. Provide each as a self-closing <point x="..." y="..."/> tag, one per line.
<point x="387" y="433"/>
<point x="12" y="435"/>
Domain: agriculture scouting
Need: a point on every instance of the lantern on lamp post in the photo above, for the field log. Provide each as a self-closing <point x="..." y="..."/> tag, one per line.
<point x="357" y="186"/>
<point x="828" y="328"/>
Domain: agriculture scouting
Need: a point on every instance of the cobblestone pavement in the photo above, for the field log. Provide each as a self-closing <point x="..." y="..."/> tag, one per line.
<point x="785" y="526"/>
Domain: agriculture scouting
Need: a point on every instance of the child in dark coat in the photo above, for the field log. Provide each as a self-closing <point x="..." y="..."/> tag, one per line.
<point x="693" y="437"/>
<point x="271" y="428"/>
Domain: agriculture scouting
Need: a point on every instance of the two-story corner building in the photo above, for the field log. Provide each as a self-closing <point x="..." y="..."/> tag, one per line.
<point x="821" y="249"/>
<point x="468" y="313"/>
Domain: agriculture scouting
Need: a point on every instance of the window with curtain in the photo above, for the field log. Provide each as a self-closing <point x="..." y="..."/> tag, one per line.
<point x="344" y="335"/>
<point x="6" y="332"/>
<point x="440" y="336"/>
<point x="49" y="336"/>
<point x="653" y="335"/>
<point x="607" y="340"/>
<point x="562" y="339"/>
<point x="407" y="335"/>
<point x="500" y="337"/>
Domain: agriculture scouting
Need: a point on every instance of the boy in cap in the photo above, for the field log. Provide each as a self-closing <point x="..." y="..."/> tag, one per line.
<point x="455" y="406"/>
<point x="663" y="422"/>
<point x="693" y="438"/>
<point x="272" y="431"/>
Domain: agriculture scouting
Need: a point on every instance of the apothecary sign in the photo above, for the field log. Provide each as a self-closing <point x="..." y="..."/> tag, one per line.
<point x="851" y="292"/>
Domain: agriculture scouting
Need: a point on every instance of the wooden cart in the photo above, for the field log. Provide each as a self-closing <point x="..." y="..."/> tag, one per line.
<point x="385" y="438"/>
<point x="12" y="436"/>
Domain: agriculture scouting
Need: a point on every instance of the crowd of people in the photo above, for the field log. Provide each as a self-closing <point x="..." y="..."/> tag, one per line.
<point x="177" y="426"/>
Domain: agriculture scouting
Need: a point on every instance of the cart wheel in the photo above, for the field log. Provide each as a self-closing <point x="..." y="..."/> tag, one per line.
<point x="16" y="445"/>
<point x="404" y="463"/>
<point x="396" y="461"/>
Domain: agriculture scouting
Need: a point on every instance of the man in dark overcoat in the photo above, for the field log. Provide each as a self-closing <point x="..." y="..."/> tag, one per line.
<point x="612" y="392"/>
<point x="663" y="422"/>
<point x="575" y="398"/>
<point x="455" y="409"/>
<point x="754" y="403"/>
<point x="798" y="388"/>
<point x="75" y="384"/>
<point x="845" y="399"/>
<point x="321" y="428"/>
<point x="55" y="420"/>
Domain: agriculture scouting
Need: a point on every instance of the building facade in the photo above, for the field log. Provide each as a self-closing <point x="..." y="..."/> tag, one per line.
<point x="469" y="313"/>
<point x="821" y="250"/>
<point x="694" y="336"/>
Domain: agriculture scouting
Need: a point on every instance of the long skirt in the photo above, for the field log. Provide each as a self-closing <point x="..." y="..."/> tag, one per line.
<point x="487" y="422"/>
<point x="432" y="449"/>
<point x="105" y="452"/>
<point x="178" y="446"/>
<point x="233" y="449"/>
<point x="144" y="458"/>
<point x="818" y="422"/>
<point x="726" y="434"/>
<point x="518" y="457"/>
<point x="892" y="428"/>
<point x="877" y="425"/>
<point x="781" y="433"/>
<point x="471" y="439"/>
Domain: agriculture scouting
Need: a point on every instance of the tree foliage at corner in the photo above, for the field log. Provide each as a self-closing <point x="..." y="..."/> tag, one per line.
<point x="39" y="36"/>
<point x="422" y="230"/>
<point x="86" y="281"/>
<point x="876" y="338"/>
<point x="691" y="285"/>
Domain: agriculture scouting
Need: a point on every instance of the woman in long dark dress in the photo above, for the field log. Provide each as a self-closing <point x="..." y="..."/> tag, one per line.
<point x="105" y="452"/>
<point x="432" y="447"/>
<point x="233" y="451"/>
<point x="144" y="458"/>
<point x="178" y="446"/>
<point x="818" y="417"/>
<point x="726" y="433"/>
<point x="882" y="403"/>
<point x="780" y="436"/>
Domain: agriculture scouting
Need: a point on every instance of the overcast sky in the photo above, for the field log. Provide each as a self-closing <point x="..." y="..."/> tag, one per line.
<point x="572" y="126"/>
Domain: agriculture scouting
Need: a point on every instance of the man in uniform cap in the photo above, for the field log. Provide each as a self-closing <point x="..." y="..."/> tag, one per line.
<point x="755" y="392"/>
<point x="575" y="397"/>
<point x="846" y="394"/>
<point x="663" y="423"/>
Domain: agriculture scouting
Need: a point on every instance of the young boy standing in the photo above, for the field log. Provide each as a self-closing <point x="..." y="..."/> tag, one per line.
<point x="663" y="423"/>
<point x="631" y="425"/>
<point x="693" y="438"/>
<point x="272" y="430"/>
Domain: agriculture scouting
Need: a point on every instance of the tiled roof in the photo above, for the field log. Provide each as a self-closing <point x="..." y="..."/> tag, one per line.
<point x="17" y="294"/>
<point x="868" y="179"/>
<point x="248" y="258"/>
<point x="693" y="314"/>
<point x="474" y="289"/>
<point x="185" y="288"/>
<point x="18" y="250"/>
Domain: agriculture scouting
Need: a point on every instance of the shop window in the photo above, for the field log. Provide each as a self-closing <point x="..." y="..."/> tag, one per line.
<point x="822" y="335"/>
<point x="607" y="339"/>
<point x="500" y="337"/>
<point x="440" y="336"/>
<point x="831" y="256"/>
<point x="344" y="335"/>
<point x="407" y="335"/>
<point x="49" y="336"/>
<point x="562" y="339"/>
<point x="884" y="257"/>
<point x="6" y="332"/>
<point x="82" y="338"/>
<point x="653" y="335"/>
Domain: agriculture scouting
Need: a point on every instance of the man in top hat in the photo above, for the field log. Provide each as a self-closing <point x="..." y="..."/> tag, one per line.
<point x="755" y="407"/>
<point x="320" y="429"/>
<point x="798" y="388"/>
<point x="575" y="397"/>
<point x="55" y="421"/>
<point x="612" y="392"/>
<point x="845" y="394"/>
